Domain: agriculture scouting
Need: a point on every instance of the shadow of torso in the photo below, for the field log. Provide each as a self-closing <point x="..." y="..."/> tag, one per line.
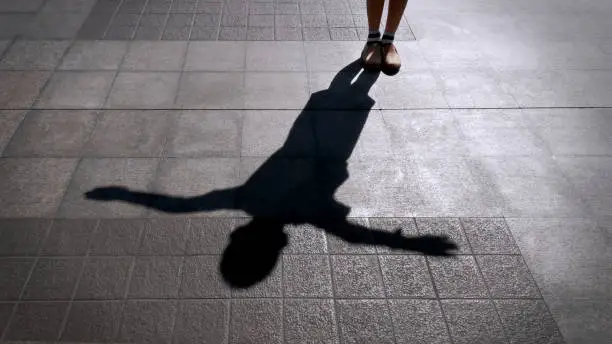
<point x="298" y="182"/>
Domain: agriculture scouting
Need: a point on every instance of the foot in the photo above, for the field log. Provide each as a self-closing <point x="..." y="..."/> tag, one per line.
<point x="371" y="58"/>
<point x="391" y="62"/>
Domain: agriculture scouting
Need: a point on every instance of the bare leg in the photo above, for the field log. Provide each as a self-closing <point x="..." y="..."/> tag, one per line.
<point x="375" y="10"/>
<point x="371" y="55"/>
<point x="394" y="17"/>
<point x="391" y="62"/>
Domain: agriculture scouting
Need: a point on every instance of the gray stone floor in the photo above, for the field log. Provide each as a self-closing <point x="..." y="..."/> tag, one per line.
<point x="497" y="133"/>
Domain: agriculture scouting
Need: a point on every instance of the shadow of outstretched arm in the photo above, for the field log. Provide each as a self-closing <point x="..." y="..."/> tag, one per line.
<point x="432" y="245"/>
<point x="215" y="200"/>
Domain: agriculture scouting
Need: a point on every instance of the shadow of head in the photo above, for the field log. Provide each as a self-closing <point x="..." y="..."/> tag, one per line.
<point x="252" y="252"/>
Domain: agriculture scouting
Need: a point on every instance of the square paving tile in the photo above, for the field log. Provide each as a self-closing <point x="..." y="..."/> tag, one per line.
<point x="176" y="33"/>
<point x="164" y="236"/>
<point x="207" y="133"/>
<point x="53" y="279"/>
<point x="9" y="122"/>
<point x="487" y="134"/>
<point x="288" y="33"/>
<point x="54" y="25"/>
<point x="288" y="56"/>
<point x="331" y="56"/>
<point x="147" y="321"/>
<point x="414" y="89"/>
<point x="130" y="134"/>
<point x="364" y="321"/>
<point x="305" y="239"/>
<point x="567" y="257"/>
<point x="155" y="56"/>
<point x="146" y="90"/>
<point x="343" y="34"/>
<point x="152" y="33"/>
<point x="314" y="19"/>
<point x="52" y="133"/>
<point x="195" y="177"/>
<point x="14" y="273"/>
<point x="33" y="55"/>
<point x="69" y="238"/>
<point x="456" y="186"/>
<point x="117" y="237"/>
<point x="590" y="175"/>
<point x="215" y="56"/>
<point x="99" y="55"/>
<point x="507" y="276"/>
<point x="26" y="327"/>
<point x="457" y="277"/>
<point x="405" y="225"/>
<point x="406" y="276"/>
<point x="528" y="321"/>
<point x="558" y="88"/>
<point x="33" y="187"/>
<point x="261" y="20"/>
<point x="260" y="34"/>
<point x="19" y="89"/>
<point x="573" y="131"/>
<point x="204" y="33"/>
<point x="534" y="187"/>
<point x="489" y="236"/>
<point x="317" y="34"/>
<point x="307" y="276"/>
<point x="92" y="322"/>
<point x="21" y="6"/>
<point x="94" y="173"/>
<point x="276" y="90"/>
<point x="256" y="321"/>
<point x="339" y="246"/>
<point x="418" y="321"/>
<point x="6" y="312"/>
<point x="474" y="88"/>
<point x="419" y="132"/>
<point x="310" y="320"/>
<point x="155" y="277"/>
<point x="201" y="278"/>
<point x="202" y="321"/>
<point x="233" y="33"/>
<point x="473" y="321"/>
<point x="270" y="287"/>
<point x="22" y="237"/>
<point x="449" y="227"/>
<point x="258" y="125"/>
<point x="104" y="278"/>
<point x="209" y="235"/>
<point x="357" y="276"/>
<point x="211" y="91"/>
<point x="84" y="90"/>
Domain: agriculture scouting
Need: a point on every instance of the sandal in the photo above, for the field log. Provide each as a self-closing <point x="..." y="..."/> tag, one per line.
<point x="391" y="62"/>
<point x="371" y="57"/>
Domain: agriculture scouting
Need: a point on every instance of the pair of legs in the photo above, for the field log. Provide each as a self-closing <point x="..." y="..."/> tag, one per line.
<point x="379" y="52"/>
<point x="375" y="10"/>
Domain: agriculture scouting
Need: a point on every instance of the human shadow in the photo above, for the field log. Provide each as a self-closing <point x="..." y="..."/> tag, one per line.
<point x="296" y="185"/>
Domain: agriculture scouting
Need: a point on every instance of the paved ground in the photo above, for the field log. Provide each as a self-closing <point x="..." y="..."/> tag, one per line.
<point x="497" y="133"/>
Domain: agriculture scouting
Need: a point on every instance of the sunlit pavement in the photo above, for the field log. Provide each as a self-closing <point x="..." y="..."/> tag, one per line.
<point x="496" y="133"/>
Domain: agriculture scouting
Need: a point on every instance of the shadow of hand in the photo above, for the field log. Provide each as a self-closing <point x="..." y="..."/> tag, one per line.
<point x="432" y="245"/>
<point x="108" y="193"/>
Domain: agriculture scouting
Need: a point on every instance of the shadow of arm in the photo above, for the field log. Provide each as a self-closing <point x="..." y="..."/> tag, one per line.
<point x="358" y="234"/>
<point x="218" y="199"/>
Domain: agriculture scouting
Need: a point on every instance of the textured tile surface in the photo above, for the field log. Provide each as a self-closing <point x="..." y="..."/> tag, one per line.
<point x="224" y="85"/>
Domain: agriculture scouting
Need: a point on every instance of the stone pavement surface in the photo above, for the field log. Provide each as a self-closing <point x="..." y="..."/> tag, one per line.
<point x="497" y="133"/>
